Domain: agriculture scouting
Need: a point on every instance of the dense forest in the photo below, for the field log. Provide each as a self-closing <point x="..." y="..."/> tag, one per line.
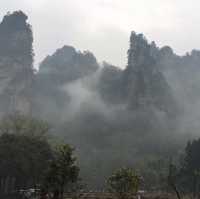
<point x="140" y="116"/>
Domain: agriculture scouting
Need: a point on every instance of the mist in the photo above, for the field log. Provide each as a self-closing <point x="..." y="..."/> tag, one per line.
<point x="114" y="116"/>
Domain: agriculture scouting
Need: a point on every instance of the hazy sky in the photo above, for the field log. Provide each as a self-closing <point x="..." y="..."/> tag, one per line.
<point x="104" y="26"/>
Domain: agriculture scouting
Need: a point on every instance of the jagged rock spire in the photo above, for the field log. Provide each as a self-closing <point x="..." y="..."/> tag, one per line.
<point x="140" y="52"/>
<point x="16" y="62"/>
<point x="16" y="37"/>
<point x="145" y="84"/>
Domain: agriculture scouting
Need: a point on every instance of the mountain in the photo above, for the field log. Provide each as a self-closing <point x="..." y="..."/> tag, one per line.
<point x="16" y="63"/>
<point x="65" y="66"/>
<point x="110" y="85"/>
<point x="182" y="73"/>
<point x="145" y="84"/>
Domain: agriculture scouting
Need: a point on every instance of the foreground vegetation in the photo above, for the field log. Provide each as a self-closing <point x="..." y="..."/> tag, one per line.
<point x="30" y="159"/>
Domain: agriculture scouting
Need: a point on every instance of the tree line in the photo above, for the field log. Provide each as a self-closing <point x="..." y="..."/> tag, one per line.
<point x="29" y="158"/>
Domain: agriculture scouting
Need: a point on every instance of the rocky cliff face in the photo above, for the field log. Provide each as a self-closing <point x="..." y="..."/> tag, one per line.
<point x="110" y="85"/>
<point x="182" y="73"/>
<point x="67" y="64"/>
<point x="145" y="85"/>
<point x="141" y="86"/>
<point x="16" y="63"/>
<point x="56" y="72"/>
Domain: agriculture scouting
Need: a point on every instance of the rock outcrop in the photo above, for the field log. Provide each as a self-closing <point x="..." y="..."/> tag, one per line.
<point x="56" y="72"/>
<point x="16" y="63"/>
<point x="145" y="85"/>
<point x="67" y="64"/>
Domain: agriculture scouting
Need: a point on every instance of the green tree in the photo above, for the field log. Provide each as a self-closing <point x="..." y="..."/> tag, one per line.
<point x="24" y="158"/>
<point x="124" y="182"/>
<point x="190" y="171"/>
<point x="154" y="171"/>
<point x="24" y="125"/>
<point x="24" y="150"/>
<point x="172" y="178"/>
<point x="63" y="170"/>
